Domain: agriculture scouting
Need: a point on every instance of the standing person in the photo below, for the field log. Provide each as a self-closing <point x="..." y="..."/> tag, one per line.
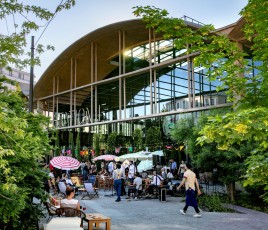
<point x="131" y="171"/>
<point x="173" y="166"/>
<point x="190" y="182"/>
<point x="117" y="175"/>
<point x="111" y="168"/>
<point x="123" y="190"/>
<point x="182" y="169"/>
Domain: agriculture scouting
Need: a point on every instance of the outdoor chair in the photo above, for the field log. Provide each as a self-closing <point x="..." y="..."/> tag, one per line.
<point x="51" y="209"/>
<point x="90" y="191"/>
<point x="62" y="188"/>
<point x="71" y="212"/>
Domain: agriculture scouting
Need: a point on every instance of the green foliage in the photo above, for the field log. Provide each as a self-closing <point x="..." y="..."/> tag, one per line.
<point x="211" y="203"/>
<point x="14" y="44"/>
<point x="137" y="138"/>
<point x="96" y="143"/>
<point x="255" y="14"/>
<point x="153" y="138"/>
<point x="212" y="49"/>
<point x="78" y="145"/>
<point x="24" y="142"/>
<point x="111" y="141"/>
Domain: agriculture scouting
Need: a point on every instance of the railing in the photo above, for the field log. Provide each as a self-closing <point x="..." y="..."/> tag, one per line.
<point x="189" y="19"/>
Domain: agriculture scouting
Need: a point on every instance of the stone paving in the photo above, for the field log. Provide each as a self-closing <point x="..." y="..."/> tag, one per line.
<point x="153" y="214"/>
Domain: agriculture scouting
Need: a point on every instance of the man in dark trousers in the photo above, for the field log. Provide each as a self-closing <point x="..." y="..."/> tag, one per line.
<point x="190" y="181"/>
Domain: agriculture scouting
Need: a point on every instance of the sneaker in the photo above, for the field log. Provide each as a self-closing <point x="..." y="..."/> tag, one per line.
<point x="197" y="215"/>
<point x="182" y="212"/>
<point x="136" y="198"/>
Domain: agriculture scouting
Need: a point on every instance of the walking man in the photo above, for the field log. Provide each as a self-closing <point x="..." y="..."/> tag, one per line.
<point x="190" y="181"/>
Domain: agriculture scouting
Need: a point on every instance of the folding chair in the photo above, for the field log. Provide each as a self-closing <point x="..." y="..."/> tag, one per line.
<point x="62" y="188"/>
<point x="90" y="191"/>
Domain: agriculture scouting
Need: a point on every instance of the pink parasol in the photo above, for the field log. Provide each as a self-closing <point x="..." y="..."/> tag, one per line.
<point x="105" y="158"/>
<point x="65" y="163"/>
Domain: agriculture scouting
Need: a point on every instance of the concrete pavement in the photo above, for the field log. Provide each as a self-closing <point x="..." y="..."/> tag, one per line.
<point x="150" y="214"/>
<point x="153" y="214"/>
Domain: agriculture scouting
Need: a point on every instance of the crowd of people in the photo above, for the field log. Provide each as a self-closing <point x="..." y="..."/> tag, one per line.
<point x="136" y="182"/>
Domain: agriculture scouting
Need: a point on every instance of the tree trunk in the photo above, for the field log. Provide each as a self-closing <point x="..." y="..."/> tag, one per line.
<point x="231" y="191"/>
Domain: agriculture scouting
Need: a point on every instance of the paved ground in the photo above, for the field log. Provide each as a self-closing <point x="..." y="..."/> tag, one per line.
<point x="153" y="214"/>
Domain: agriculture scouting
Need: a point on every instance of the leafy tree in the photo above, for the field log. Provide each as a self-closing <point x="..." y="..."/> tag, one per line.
<point x="237" y="128"/>
<point x="24" y="142"/>
<point x="137" y="138"/>
<point x="153" y="138"/>
<point x="24" y="138"/>
<point x="14" y="44"/>
<point x="183" y="132"/>
<point x="111" y="141"/>
<point x="247" y="123"/>
<point x="96" y="143"/>
<point x="78" y="145"/>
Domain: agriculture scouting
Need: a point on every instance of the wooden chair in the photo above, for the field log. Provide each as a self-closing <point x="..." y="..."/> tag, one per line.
<point x="90" y="191"/>
<point x="71" y="212"/>
<point x="51" y="209"/>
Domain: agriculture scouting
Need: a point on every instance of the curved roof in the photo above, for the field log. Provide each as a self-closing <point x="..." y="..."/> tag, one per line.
<point x="107" y="40"/>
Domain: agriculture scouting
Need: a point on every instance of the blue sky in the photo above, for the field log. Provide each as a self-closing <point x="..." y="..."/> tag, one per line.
<point x="87" y="16"/>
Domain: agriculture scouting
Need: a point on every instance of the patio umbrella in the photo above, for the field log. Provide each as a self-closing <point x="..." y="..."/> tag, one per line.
<point x="145" y="165"/>
<point x="132" y="157"/>
<point x="65" y="163"/>
<point x="105" y="158"/>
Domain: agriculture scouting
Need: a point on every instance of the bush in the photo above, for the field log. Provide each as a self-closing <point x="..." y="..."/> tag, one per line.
<point x="211" y="203"/>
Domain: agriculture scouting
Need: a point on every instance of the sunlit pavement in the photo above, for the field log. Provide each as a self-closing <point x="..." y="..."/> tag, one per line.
<point x="153" y="214"/>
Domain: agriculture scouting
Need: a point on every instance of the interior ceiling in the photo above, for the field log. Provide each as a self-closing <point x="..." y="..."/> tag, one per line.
<point x="107" y="43"/>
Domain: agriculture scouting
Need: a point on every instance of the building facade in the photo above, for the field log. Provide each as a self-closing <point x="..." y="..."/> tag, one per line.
<point x="116" y="77"/>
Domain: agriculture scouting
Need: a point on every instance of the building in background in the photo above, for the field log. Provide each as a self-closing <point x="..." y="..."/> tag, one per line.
<point x="22" y="77"/>
<point x="118" y="76"/>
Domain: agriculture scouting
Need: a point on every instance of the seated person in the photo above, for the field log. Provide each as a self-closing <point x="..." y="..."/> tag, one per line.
<point x="69" y="202"/>
<point x="169" y="175"/>
<point x="103" y="172"/>
<point x="68" y="182"/>
<point x="137" y="183"/>
<point x="157" y="182"/>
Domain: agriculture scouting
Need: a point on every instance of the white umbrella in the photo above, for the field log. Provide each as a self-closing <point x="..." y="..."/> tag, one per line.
<point x="145" y="165"/>
<point x="105" y="158"/>
<point x="132" y="157"/>
<point x="158" y="153"/>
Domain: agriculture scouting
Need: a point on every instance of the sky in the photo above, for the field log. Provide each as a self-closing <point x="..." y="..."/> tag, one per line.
<point x="89" y="15"/>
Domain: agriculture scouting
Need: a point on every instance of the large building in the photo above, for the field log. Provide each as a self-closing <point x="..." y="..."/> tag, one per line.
<point x="123" y="73"/>
<point x="22" y="77"/>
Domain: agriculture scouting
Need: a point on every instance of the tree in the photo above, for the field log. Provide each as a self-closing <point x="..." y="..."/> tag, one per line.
<point x="236" y="129"/>
<point x="111" y="141"/>
<point x="24" y="137"/>
<point x="24" y="142"/>
<point x="137" y="138"/>
<point x="239" y="126"/>
<point x="14" y="44"/>
<point x="153" y="138"/>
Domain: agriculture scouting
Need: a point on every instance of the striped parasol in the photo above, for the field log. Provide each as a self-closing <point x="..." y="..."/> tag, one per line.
<point x="65" y="163"/>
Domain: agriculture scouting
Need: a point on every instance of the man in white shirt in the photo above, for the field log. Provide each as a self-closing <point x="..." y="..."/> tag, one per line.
<point x="137" y="183"/>
<point x="111" y="167"/>
<point x="156" y="183"/>
<point x="131" y="172"/>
